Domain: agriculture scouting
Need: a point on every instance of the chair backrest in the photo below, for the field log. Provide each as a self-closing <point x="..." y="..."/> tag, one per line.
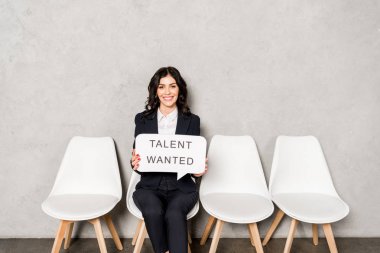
<point x="234" y="167"/>
<point x="299" y="166"/>
<point x="89" y="166"/>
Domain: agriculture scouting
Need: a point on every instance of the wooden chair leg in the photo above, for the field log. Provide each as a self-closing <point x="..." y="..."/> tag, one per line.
<point x="69" y="231"/>
<point x="256" y="237"/>
<point x="315" y="234"/>
<point x="59" y="237"/>
<point x="215" y="239"/>
<point x="251" y="236"/>
<point x="188" y="248"/>
<point x="189" y="240"/>
<point x="206" y="233"/>
<point x="99" y="234"/>
<point x="292" y="231"/>
<point x="137" y="232"/>
<point x="113" y="231"/>
<point x="273" y="226"/>
<point x="330" y="238"/>
<point x="140" y="238"/>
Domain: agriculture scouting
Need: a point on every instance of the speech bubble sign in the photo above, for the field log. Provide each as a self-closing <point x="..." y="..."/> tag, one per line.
<point x="181" y="154"/>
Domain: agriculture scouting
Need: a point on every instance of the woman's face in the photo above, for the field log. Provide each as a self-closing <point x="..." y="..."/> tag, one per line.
<point x="168" y="91"/>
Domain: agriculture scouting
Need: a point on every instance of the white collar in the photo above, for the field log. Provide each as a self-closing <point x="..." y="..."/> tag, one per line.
<point x="171" y="116"/>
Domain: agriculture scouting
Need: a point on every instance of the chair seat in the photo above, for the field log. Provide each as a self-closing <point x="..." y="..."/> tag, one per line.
<point x="237" y="207"/>
<point x="312" y="207"/>
<point x="137" y="213"/>
<point x="76" y="207"/>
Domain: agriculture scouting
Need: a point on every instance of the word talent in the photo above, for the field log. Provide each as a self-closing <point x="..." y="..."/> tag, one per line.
<point x="173" y="144"/>
<point x="170" y="144"/>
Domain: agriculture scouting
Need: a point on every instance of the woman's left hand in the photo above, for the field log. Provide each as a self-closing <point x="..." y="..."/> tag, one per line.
<point x="204" y="172"/>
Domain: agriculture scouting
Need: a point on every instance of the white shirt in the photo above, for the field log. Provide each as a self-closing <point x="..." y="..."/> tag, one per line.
<point x="167" y="124"/>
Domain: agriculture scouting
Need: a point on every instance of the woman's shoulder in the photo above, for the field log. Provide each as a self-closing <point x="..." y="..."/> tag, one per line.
<point x="142" y="116"/>
<point x="194" y="126"/>
<point x="138" y="116"/>
<point x="194" y="118"/>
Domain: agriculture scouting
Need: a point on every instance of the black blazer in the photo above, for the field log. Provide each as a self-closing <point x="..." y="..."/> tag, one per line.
<point x="186" y="125"/>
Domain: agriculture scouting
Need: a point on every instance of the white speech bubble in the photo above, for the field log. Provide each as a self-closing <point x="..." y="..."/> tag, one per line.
<point x="181" y="154"/>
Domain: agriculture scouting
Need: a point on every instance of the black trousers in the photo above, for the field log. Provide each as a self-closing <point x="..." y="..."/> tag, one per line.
<point x="165" y="214"/>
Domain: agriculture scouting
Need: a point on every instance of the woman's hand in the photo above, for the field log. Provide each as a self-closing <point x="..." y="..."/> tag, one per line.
<point x="204" y="172"/>
<point x="135" y="160"/>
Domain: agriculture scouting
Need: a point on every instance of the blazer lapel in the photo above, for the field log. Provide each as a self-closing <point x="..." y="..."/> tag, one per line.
<point x="182" y="124"/>
<point x="151" y="125"/>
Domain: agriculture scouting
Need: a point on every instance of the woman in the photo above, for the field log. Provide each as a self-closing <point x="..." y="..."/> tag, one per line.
<point x="164" y="202"/>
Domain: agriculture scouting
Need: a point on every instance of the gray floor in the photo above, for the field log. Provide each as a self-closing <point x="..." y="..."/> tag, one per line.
<point x="345" y="245"/>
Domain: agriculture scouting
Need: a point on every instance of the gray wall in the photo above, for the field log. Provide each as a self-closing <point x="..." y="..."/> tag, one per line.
<point x="261" y="68"/>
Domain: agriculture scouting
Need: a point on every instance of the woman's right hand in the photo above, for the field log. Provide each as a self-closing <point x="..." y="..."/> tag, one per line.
<point x="135" y="160"/>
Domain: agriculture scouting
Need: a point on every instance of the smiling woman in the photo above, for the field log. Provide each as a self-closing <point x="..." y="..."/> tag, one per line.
<point x="167" y="90"/>
<point x="163" y="200"/>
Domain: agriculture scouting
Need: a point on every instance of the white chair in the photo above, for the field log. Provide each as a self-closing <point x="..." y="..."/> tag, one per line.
<point x="234" y="189"/>
<point x="141" y="233"/>
<point x="87" y="187"/>
<point x="301" y="186"/>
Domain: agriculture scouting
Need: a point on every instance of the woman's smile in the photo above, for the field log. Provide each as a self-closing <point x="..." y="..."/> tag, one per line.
<point x="167" y="98"/>
<point x="167" y="92"/>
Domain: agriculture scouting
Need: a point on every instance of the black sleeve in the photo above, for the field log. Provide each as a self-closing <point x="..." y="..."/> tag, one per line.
<point x="137" y="126"/>
<point x="137" y="132"/>
<point x="195" y="130"/>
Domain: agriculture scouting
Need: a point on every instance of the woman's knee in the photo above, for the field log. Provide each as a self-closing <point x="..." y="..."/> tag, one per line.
<point x="148" y="204"/>
<point x="152" y="212"/>
<point x="175" y="215"/>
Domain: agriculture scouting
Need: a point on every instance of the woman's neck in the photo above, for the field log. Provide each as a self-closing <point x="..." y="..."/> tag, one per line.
<point x="166" y="110"/>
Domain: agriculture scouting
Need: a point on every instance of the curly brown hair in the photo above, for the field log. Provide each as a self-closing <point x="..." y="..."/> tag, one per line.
<point x="153" y="101"/>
